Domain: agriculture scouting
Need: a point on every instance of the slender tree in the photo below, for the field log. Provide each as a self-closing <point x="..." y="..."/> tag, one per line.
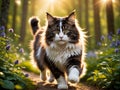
<point x="87" y="18"/>
<point x="97" y="28"/>
<point x="80" y="10"/>
<point x="110" y="17"/>
<point x="33" y="7"/>
<point x="4" y="12"/>
<point x="14" y="15"/>
<point x="86" y="15"/>
<point x="23" y="20"/>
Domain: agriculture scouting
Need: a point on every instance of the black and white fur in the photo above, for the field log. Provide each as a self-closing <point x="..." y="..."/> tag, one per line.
<point x="59" y="47"/>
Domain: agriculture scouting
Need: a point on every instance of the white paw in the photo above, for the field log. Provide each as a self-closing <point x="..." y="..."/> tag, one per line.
<point x="73" y="75"/>
<point x="73" y="79"/>
<point x="62" y="86"/>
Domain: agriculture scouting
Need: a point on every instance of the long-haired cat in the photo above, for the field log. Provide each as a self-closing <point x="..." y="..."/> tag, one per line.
<point x="59" y="47"/>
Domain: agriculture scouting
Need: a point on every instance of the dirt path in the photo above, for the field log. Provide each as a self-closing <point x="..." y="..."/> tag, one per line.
<point x="53" y="86"/>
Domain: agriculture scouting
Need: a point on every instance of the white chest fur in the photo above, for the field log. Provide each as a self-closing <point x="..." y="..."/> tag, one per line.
<point x="59" y="55"/>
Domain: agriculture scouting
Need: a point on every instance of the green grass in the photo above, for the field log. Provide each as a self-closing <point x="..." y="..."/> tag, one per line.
<point x="28" y="66"/>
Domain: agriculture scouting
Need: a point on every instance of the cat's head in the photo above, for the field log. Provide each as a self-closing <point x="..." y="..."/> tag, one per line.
<point x="61" y="30"/>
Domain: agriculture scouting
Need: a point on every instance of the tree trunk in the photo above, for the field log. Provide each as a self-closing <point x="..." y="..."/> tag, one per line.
<point x="80" y="10"/>
<point x="4" y="13"/>
<point x="14" y="15"/>
<point x="23" y="20"/>
<point x="110" y="17"/>
<point x="97" y="28"/>
<point x="33" y="7"/>
<point x="87" y="18"/>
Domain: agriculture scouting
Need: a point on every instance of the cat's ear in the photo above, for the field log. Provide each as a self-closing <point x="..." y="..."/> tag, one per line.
<point x="71" y="16"/>
<point x="50" y="18"/>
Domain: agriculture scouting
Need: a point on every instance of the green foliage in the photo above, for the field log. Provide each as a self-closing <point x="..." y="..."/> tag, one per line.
<point x="104" y="70"/>
<point x="11" y="75"/>
<point x="30" y="67"/>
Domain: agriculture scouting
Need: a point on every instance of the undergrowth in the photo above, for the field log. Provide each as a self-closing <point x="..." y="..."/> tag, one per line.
<point x="103" y="70"/>
<point x="11" y="74"/>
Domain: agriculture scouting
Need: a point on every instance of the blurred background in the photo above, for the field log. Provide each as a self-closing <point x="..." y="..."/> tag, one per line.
<point x="97" y="17"/>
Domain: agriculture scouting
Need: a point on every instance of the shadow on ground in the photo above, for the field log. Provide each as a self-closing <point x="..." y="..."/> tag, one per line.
<point x="52" y="86"/>
<point x="49" y="86"/>
<point x="40" y="85"/>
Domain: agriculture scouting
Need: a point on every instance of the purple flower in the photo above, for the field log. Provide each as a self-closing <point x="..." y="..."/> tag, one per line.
<point x="8" y="47"/>
<point x="2" y="28"/>
<point x="2" y="34"/>
<point x="102" y="38"/>
<point x="11" y="30"/>
<point x="113" y="44"/>
<point x="116" y="50"/>
<point x="118" y="31"/>
<point x="117" y="43"/>
<point x="109" y="37"/>
<point x="16" y="62"/>
<point x="91" y="54"/>
<point x="21" y="50"/>
<point x="26" y="75"/>
<point x="99" y="43"/>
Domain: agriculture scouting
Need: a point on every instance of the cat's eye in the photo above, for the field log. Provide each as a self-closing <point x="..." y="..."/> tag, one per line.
<point x="63" y="27"/>
<point x="56" y="31"/>
<point x="65" y="31"/>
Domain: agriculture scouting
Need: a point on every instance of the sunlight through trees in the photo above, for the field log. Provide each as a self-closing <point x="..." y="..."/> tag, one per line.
<point x="100" y="19"/>
<point x="85" y="14"/>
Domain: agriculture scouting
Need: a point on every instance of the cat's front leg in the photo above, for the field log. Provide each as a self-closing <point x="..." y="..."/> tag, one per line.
<point x="73" y="68"/>
<point x="58" y="74"/>
<point x="62" y="84"/>
<point x="73" y="75"/>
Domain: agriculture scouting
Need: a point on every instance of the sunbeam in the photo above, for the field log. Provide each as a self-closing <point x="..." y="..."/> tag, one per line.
<point x="105" y="1"/>
<point x="52" y="1"/>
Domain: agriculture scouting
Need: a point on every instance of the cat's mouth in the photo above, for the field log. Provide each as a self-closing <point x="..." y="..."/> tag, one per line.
<point x="61" y="41"/>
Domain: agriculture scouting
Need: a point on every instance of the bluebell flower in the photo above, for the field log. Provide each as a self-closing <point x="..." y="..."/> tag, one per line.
<point x="26" y="75"/>
<point x="116" y="50"/>
<point x="21" y="50"/>
<point x="109" y="37"/>
<point x="2" y="34"/>
<point x="99" y="43"/>
<point x="118" y="31"/>
<point x="11" y="30"/>
<point x="113" y="44"/>
<point x="2" y="28"/>
<point x="102" y="38"/>
<point x="117" y="43"/>
<point x="91" y="54"/>
<point x="8" y="47"/>
<point x="16" y="62"/>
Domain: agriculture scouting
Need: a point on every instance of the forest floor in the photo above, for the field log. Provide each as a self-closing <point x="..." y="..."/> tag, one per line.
<point x="40" y="85"/>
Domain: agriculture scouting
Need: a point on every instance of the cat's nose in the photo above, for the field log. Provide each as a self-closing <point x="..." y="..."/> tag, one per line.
<point x="61" y="37"/>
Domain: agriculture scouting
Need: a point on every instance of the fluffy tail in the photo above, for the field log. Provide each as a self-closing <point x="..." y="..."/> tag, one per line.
<point x="34" y="22"/>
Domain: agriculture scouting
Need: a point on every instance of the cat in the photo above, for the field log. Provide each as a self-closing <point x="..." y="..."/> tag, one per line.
<point x="59" y="47"/>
